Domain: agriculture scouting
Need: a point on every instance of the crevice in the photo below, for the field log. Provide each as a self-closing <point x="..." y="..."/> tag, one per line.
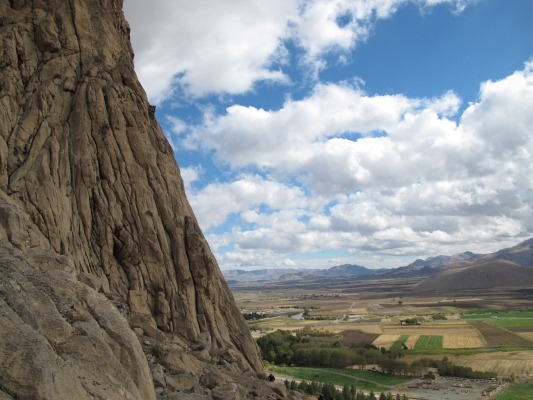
<point x="74" y="25"/>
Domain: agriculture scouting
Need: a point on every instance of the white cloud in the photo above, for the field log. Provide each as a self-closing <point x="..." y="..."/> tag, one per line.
<point x="380" y="177"/>
<point x="311" y="138"/>
<point x="247" y="135"/>
<point x="458" y="5"/>
<point x="426" y="183"/>
<point x="245" y="195"/>
<point x="189" y="176"/>
<point x="205" y="47"/>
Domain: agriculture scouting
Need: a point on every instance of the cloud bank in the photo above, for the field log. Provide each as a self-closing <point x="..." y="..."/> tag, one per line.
<point x="408" y="178"/>
<point x="204" y="47"/>
<point x="337" y="174"/>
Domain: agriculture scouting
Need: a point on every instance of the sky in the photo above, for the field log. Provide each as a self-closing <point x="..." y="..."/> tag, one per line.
<point x="316" y="133"/>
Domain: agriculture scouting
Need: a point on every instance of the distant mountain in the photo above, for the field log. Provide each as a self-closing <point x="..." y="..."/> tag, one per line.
<point x="512" y="266"/>
<point x="442" y="262"/>
<point x="502" y="261"/>
<point x="236" y="276"/>
<point x="408" y="271"/>
<point x="485" y="275"/>
<point x="345" y="270"/>
<point x="521" y="254"/>
<point x="348" y="270"/>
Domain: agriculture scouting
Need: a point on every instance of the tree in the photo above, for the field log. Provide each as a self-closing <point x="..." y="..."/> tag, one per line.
<point x="303" y="386"/>
<point x="328" y="389"/>
<point x="345" y="393"/>
<point x="439" y="316"/>
<point x="360" y="361"/>
<point x="353" y="392"/>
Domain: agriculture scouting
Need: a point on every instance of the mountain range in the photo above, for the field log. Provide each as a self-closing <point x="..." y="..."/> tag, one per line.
<point x="509" y="266"/>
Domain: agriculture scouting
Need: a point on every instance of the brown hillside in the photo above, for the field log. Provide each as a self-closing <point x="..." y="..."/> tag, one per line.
<point x="491" y="274"/>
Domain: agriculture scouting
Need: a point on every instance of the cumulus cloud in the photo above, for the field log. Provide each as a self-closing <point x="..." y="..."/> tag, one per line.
<point x="374" y="178"/>
<point x="205" y="47"/>
<point x="313" y="138"/>
<point x="247" y="193"/>
<point x="426" y="181"/>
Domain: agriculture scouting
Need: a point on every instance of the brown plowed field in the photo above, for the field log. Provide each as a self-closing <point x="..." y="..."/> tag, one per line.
<point x="495" y="336"/>
<point x="521" y="329"/>
<point x="357" y="337"/>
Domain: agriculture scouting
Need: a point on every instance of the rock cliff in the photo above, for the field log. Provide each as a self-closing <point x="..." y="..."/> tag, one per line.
<point x="108" y="288"/>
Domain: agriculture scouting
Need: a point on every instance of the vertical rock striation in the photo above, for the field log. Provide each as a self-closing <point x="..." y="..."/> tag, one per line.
<point x="89" y="183"/>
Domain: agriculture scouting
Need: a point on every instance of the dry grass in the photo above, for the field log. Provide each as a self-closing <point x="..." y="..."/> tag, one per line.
<point x="358" y="311"/>
<point x="461" y="342"/>
<point x="411" y="341"/>
<point x="519" y="363"/>
<point x="452" y="328"/>
<point x="370" y="328"/>
<point x="385" y="341"/>
<point x="527" y="335"/>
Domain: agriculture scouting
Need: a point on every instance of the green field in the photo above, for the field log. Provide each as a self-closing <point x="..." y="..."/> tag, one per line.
<point x="512" y="323"/>
<point x="498" y="314"/>
<point x="398" y="345"/>
<point x="428" y="342"/>
<point x="362" y="380"/>
<point x="517" y="392"/>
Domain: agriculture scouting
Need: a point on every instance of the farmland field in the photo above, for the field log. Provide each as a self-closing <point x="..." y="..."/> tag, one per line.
<point x="517" y="392"/>
<point x="456" y="334"/>
<point x="363" y="380"/>
<point x="513" y="323"/>
<point x="357" y="337"/>
<point x="527" y="335"/>
<point x="432" y="329"/>
<point x="429" y="342"/>
<point x="398" y="345"/>
<point x="356" y="311"/>
<point x="499" y="314"/>
<point x="461" y="342"/>
<point x="373" y="328"/>
<point x="385" y="341"/>
<point x="495" y="336"/>
<point x="411" y="341"/>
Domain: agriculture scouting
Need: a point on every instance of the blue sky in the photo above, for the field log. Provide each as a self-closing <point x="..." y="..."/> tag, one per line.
<point x="313" y="133"/>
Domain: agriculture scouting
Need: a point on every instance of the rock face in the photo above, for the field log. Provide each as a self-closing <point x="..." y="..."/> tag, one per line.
<point x="94" y="219"/>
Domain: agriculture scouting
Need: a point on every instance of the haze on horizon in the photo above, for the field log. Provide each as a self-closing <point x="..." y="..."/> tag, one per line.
<point x="315" y="133"/>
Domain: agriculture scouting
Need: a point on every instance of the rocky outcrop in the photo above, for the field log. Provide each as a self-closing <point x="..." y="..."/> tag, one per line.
<point x="96" y="233"/>
<point x="60" y="339"/>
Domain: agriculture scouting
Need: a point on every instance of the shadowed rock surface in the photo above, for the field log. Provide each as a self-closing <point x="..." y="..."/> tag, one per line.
<point x="96" y="235"/>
